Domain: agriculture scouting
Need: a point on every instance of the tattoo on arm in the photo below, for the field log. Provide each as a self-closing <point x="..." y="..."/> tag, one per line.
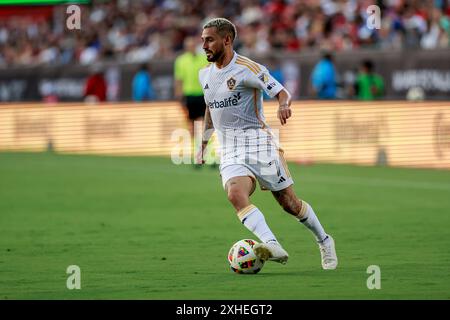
<point x="208" y="120"/>
<point x="277" y="195"/>
<point x="208" y="127"/>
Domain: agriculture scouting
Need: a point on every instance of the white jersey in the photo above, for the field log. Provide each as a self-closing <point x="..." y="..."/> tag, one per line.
<point x="234" y="97"/>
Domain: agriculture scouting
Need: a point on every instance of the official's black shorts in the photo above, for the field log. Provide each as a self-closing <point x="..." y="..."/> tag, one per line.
<point x="196" y="106"/>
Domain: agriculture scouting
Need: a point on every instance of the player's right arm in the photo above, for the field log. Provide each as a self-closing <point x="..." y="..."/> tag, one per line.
<point x="208" y="130"/>
<point x="208" y="127"/>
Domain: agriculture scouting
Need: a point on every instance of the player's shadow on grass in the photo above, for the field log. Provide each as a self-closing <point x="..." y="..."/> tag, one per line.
<point x="272" y="274"/>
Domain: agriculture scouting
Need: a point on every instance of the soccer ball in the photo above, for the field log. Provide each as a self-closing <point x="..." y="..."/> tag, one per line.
<point x="415" y="94"/>
<point x="242" y="258"/>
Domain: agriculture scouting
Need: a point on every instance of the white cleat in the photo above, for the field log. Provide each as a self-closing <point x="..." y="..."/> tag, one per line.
<point x="271" y="251"/>
<point x="328" y="253"/>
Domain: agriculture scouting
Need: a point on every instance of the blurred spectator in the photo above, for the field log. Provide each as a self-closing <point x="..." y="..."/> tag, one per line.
<point x="142" y="85"/>
<point x="95" y="89"/>
<point x="275" y="70"/>
<point x="323" y="78"/>
<point x="437" y="31"/>
<point x="187" y="85"/>
<point x="368" y="86"/>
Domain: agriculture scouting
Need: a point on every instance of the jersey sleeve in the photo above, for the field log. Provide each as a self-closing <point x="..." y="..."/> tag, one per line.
<point x="263" y="80"/>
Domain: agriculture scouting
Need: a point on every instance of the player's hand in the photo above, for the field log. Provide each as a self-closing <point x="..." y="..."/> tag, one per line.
<point x="284" y="113"/>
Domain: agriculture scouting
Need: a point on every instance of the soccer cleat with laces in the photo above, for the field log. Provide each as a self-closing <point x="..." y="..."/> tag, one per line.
<point x="328" y="253"/>
<point x="271" y="251"/>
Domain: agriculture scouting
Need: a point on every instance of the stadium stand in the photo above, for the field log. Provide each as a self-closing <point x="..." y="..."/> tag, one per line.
<point x="140" y="31"/>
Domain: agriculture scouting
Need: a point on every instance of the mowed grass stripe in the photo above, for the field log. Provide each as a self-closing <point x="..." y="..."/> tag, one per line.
<point x="143" y="228"/>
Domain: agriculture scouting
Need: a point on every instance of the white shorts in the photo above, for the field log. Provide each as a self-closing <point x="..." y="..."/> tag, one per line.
<point x="271" y="172"/>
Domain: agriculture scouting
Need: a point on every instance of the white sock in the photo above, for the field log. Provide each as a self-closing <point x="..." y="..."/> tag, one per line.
<point x="253" y="219"/>
<point x="310" y="220"/>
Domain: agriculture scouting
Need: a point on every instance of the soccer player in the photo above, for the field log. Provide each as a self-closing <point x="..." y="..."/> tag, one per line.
<point x="232" y="86"/>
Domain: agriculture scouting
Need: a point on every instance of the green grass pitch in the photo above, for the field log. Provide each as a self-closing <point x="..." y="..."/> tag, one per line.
<point x="143" y="228"/>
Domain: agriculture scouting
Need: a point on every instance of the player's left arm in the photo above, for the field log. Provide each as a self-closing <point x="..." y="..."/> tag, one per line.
<point x="284" y="103"/>
<point x="264" y="81"/>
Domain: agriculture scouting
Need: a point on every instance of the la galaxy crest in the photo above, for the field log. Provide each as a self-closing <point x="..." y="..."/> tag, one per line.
<point x="231" y="83"/>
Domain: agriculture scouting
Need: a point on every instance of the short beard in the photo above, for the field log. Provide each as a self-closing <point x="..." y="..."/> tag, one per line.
<point x="216" y="56"/>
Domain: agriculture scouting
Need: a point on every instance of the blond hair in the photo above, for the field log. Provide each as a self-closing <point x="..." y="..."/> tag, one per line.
<point x="223" y="26"/>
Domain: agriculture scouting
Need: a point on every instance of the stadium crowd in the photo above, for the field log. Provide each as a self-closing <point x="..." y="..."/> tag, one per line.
<point x="139" y="31"/>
